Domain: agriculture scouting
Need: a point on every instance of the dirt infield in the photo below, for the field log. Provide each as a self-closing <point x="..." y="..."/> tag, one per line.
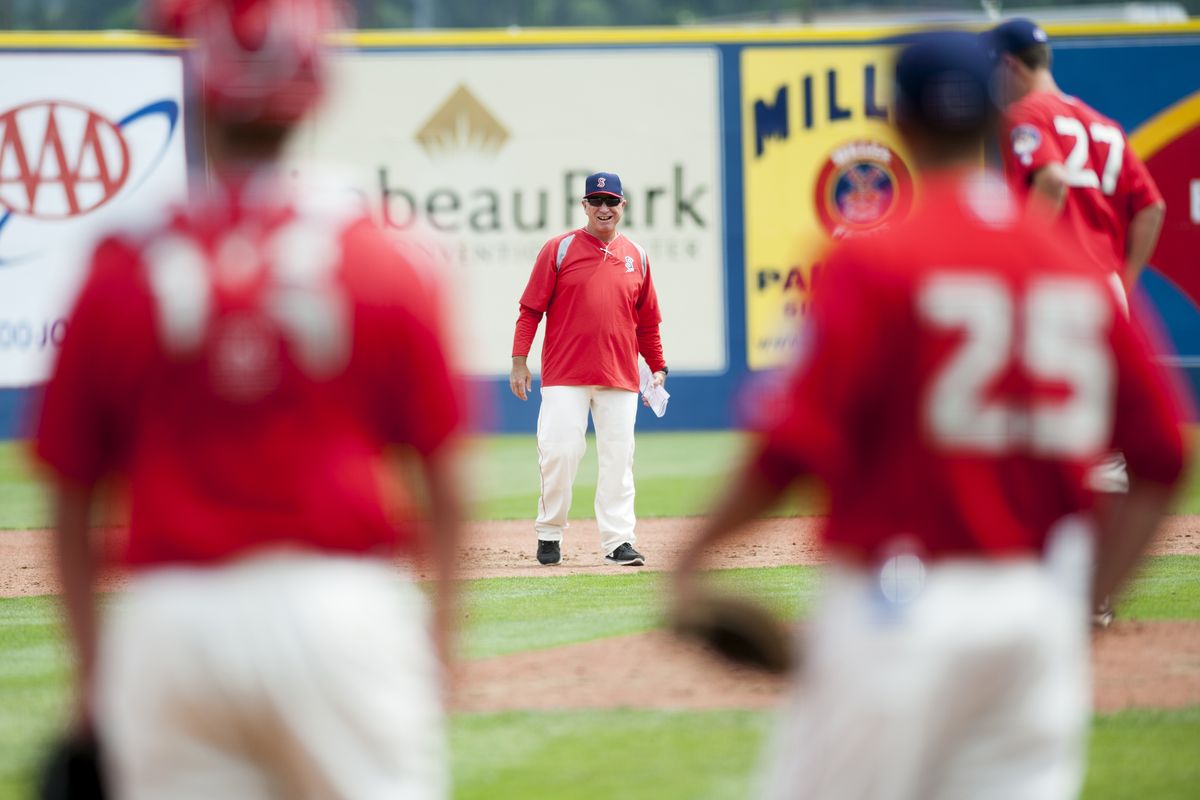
<point x="505" y="548"/>
<point x="1136" y="664"/>
<point x="498" y="549"/>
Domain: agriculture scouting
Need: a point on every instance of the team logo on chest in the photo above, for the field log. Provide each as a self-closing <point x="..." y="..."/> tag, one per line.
<point x="629" y="263"/>
<point x="1025" y="141"/>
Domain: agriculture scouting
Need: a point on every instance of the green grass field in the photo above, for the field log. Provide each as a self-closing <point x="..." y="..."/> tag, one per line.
<point x="676" y="476"/>
<point x="570" y="755"/>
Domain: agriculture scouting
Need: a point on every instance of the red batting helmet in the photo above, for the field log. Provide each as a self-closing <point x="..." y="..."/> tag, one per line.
<point x="254" y="60"/>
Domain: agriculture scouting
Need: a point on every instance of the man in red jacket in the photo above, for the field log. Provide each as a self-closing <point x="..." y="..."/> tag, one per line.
<point x="963" y="370"/>
<point x="243" y="367"/>
<point x="594" y="286"/>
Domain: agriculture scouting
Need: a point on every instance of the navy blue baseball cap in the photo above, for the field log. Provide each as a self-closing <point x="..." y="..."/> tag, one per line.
<point x="602" y="183"/>
<point x="944" y="83"/>
<point x="1015" y="35"/>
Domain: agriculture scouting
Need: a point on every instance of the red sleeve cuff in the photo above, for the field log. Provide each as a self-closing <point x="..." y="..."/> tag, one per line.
<point x="650" y="346"/>
<point x="527" y="324"/>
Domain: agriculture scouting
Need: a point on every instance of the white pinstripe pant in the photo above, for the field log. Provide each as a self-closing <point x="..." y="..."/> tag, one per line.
<point x="562" y="425"/>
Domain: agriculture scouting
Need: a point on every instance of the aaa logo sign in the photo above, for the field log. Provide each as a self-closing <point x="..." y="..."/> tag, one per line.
<point x="89" y="144"/>
<point x="59" y="159"/>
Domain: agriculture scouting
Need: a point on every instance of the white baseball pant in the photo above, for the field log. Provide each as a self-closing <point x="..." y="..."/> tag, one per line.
<point x="561" y="436"/>
<point x="281" y="675"/>
<point x="978" y="689"/>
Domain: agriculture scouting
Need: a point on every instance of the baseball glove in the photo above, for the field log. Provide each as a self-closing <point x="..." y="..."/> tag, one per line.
<point x="72" y="771"/>
<point x="739" y="630"/>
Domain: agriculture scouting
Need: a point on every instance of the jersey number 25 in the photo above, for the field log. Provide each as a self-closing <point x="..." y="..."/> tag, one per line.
<point x="1056" y="332"/>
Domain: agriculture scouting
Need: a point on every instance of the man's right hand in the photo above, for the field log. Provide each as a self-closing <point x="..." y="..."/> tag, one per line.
<point x="520" y="380"/>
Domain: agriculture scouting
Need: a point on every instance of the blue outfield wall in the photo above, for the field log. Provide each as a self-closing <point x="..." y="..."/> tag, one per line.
<point x="14" y="410"/>
<point x="1132" y="74"/>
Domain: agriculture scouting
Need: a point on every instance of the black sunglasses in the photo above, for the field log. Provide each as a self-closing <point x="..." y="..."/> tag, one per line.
<point x="605" y="200"/>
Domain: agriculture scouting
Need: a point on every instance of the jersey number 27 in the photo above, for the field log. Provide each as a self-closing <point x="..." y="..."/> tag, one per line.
<point x="1079" y="172"/>
<point x="1056" y="332"/>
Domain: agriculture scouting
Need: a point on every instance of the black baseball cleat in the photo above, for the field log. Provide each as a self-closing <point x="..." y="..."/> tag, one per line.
<point x="626" y="556"/>
<point x="549" y="553"/>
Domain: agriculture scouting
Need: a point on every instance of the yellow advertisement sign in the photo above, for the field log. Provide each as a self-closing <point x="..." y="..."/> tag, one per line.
<point x="820" y="162"/>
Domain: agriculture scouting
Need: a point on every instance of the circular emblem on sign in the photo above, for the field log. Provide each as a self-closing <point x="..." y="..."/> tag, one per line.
<point x="862" y="186"/>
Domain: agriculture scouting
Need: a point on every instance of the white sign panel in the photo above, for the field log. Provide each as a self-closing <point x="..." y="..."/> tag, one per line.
<point x="88" y="143"/>
<point x="488" y="151"/>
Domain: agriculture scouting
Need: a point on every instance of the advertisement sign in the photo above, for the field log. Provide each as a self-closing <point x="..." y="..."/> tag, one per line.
<point x="1170" y="145"/>
<point x="820" y="162"/>
<point x="88" y="142"/>
<point x="486" y="153"/>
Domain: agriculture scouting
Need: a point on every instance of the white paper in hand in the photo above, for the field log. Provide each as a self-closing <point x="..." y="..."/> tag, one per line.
<point x="656" y="396"/>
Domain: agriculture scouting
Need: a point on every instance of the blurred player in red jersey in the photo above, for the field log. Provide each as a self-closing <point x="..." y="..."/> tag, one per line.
<point x="245" y="367"/>
<point x="594" y="286"/>
<point x="962" y="370"/>
<point x="1074" y="164"/>
<point x="1073" y="159"/>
